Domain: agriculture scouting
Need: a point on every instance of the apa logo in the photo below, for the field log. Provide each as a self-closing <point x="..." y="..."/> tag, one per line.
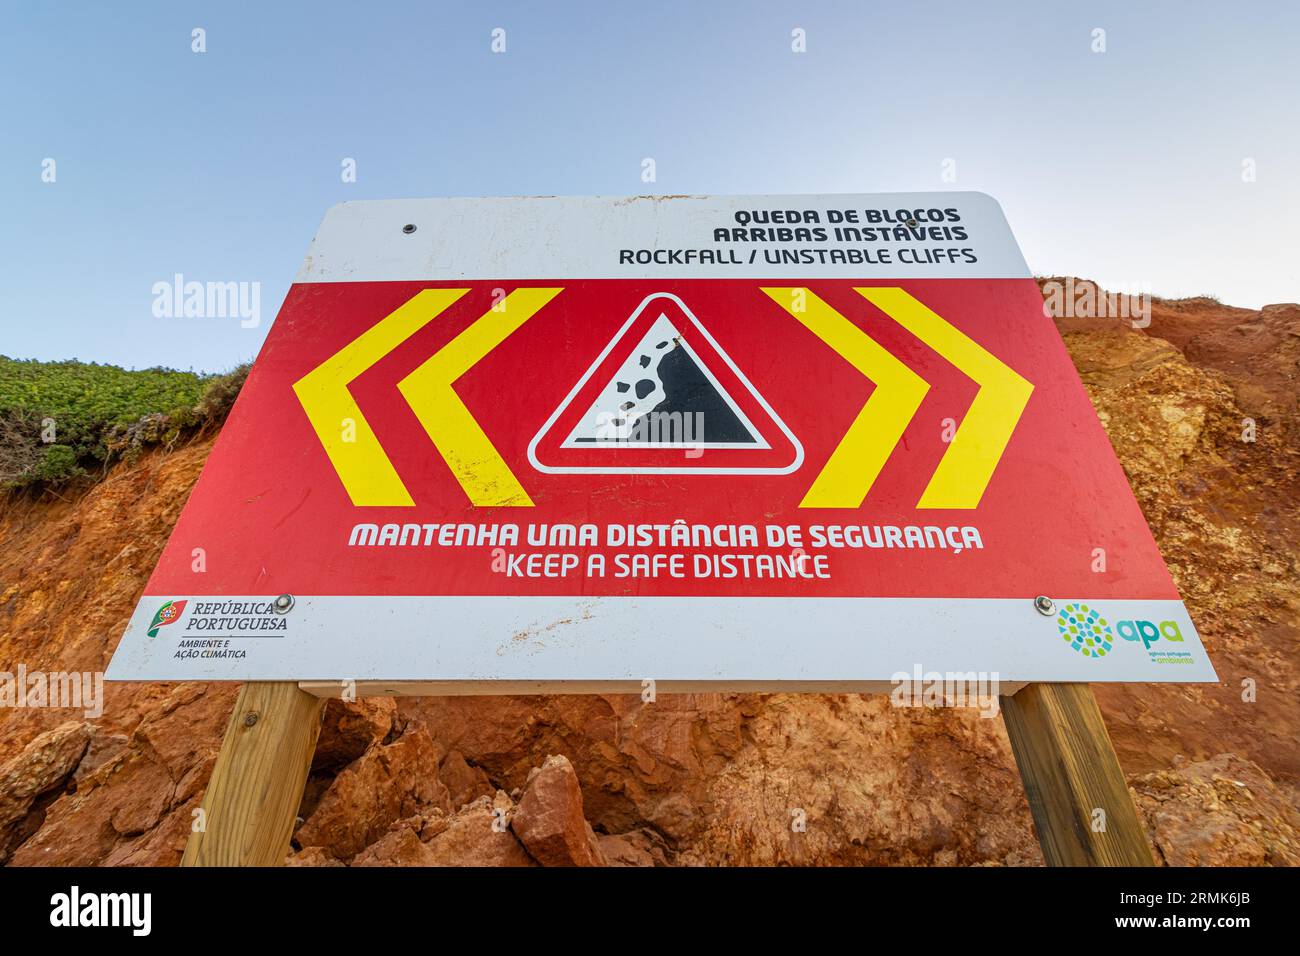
<point x="1148" y="633"/>
<point x="167" y="614"/>
<point x="1085" y="630"/>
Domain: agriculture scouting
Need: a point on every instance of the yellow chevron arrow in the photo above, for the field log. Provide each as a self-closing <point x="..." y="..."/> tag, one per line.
<point x="967" y="465"/>
<point x="852" y="468"/>
<point x="361" y="463"/>
<point x="486" y="478"/>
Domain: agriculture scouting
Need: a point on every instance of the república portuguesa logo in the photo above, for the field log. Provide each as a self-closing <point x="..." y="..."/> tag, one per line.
<point x="1085" y="630"/>
<point x="169" y="613"/>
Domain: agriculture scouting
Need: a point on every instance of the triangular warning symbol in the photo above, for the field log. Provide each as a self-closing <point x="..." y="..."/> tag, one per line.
<point x="664" y="396"/>
<point x="661" y="398"/>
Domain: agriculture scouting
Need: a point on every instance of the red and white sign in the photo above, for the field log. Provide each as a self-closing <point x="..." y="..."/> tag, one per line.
<point x="739" y="441"/>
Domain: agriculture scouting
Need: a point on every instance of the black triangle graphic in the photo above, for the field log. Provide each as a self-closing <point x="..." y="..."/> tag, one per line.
<point x="663" y="395"/>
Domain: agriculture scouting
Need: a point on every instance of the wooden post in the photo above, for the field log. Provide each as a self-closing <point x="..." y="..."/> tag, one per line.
<point x="256" y="787"/>
<point x="1070" y="771"/>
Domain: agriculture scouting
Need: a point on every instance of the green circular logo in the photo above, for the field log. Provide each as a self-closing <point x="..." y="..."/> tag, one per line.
<point x="1085" y="630"/>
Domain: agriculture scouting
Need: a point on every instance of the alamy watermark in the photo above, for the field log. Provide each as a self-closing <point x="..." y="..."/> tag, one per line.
<point x="977" y="689"/>
<point x="653" y="430"/>
<point x="1085" y="299"/>
<point x="133" y="911"/>
<point x="208" y="300"/>
<point x="68" y="690"/>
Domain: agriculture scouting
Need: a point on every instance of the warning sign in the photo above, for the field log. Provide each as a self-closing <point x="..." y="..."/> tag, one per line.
<point x="664" y="387"/>
<point x="762" y="442"/>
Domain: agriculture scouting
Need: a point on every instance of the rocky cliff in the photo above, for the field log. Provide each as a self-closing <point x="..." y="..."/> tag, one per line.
<point x="1201" y="407"/>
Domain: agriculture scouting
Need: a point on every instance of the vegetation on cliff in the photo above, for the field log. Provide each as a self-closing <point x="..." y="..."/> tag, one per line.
<point x="68" y="420"/>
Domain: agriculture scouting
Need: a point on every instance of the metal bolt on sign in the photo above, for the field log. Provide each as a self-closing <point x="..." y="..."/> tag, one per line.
<point x="283" y="604"/>
<point x="1044" y="605"/>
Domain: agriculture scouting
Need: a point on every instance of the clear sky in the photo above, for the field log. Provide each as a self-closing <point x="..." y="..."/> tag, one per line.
<point x="1125" y="166"/>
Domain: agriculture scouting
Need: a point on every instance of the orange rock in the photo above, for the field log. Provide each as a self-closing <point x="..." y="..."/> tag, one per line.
<point x="389" y="782"/>
<point x="549" y="820"/>
<point x="312" y="856"/>
<point x="348" y="730"/>
<point x="478" y="835"/>
<point x="635" y="848"/>
<point x="465" y="783"/>
<point x="1220" y="812"/>
<point x="43" y="765"/>
<point x="400" y="846"/>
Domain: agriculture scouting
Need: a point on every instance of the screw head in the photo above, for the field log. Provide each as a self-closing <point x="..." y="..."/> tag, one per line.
<point x="283" y="604"/>
<point x="1044" y="605"/>
<point x="409" y="228"/>
<point x="250" y="718"/>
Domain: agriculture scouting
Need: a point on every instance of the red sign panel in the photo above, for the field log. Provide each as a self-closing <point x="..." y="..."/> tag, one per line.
<point x="863" y="457"/>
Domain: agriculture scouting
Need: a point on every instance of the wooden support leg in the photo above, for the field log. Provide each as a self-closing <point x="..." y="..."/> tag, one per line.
<point x="256" y="787"/>
<point x="1070" y="772"/>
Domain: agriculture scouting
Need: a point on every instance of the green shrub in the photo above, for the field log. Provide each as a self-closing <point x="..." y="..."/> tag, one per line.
<point x="64" y="420"/>
<point x="56" y="463"/>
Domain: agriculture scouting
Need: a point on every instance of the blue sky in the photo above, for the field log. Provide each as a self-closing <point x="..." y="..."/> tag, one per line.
<point x="1124" y="166"/>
